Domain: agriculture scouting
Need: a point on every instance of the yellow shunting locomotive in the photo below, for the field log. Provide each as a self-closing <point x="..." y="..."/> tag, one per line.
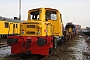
<point x="40" y="34"/>
<point x="9" y="26"/>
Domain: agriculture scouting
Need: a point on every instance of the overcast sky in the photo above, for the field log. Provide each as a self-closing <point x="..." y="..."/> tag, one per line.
<point x="77" y="11"/>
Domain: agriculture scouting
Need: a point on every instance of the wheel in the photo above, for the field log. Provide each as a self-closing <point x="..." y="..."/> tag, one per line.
<point x="51" y="50"/>
<point x="57" y="42"/>
<point x="54" y="42"/>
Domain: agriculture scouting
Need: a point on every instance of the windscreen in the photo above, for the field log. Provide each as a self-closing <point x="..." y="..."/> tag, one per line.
<point x="34" y="15"/>
<point x="51" y="15"/>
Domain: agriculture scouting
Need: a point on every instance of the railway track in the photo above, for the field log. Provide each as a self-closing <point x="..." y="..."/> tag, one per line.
<point x="32" y="57"/>
<point x="24" y="57"/>
<point x="3" y="45"/>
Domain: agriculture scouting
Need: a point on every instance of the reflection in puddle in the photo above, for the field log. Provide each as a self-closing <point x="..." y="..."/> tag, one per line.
<point x="80" y="49"/>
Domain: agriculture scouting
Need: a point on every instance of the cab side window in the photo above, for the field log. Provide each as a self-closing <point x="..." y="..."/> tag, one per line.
<point x="13" y="25"/>
<point x="16" y="25"/>
<point x="61" y="17"/>
<point x="6" y="25"/>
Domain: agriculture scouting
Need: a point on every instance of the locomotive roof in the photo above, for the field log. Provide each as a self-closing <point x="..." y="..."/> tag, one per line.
<point x="43" y="8"/>
<point x="70" y="25"/>
<point x="9" y="19"/>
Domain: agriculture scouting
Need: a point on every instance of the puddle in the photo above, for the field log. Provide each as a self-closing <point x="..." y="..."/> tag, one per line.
<point x="80" y="36"/>
<point x="5" y="51"/>
<point x="81" y="50"/>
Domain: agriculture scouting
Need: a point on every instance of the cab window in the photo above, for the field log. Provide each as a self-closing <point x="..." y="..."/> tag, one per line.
<point x="34" y="15"/>
<point x="51" y="15"/>
<point x="13" y="25"/>
<point x="61" y="17"/>
<point x="6" y="25"/>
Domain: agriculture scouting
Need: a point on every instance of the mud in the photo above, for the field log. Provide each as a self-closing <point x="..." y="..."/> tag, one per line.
<point x="75" y="49"/>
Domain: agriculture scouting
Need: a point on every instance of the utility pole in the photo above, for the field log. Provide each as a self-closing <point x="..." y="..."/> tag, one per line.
<point x="67" y="19"/>
<point x="20" y="9"/>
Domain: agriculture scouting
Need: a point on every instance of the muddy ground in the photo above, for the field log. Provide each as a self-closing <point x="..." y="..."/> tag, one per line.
<point x="77" y="48"/>
<point x="74" y="49"/>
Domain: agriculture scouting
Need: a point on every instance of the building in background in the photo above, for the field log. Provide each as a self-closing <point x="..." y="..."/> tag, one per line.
<point x="78" y="27"/>
<point x="87" y="28"/>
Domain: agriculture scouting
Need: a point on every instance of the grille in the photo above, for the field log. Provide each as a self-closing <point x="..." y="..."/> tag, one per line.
<point x="30" y="26"/>
<point x="30" y="33"/>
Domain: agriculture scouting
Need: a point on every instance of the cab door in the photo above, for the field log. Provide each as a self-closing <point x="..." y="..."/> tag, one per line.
<point x="10" y="31"/>
<point x="15" y="28"/>
<point x="53" y="16"/>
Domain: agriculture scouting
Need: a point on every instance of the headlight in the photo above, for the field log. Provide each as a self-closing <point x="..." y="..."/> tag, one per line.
<point x="22" y="32"/>
<point x="38" y="33"/>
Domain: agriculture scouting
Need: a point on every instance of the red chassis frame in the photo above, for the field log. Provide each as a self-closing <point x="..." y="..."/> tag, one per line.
<point x="28" y="44"/>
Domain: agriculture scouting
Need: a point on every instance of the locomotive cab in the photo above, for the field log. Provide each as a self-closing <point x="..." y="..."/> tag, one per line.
<point x="70" y="27"/>
<point x="41" y="33"/>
